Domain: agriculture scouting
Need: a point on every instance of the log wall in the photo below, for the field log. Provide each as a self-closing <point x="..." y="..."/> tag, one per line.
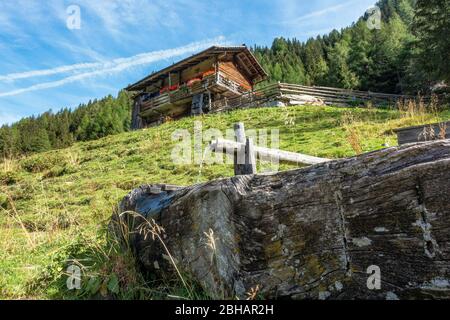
<point x="231" y="72"/>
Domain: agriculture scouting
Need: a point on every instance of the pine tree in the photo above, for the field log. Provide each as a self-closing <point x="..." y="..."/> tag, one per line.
<point x="33" y="136"/>
<point x="432" y="28"/>
<point x="315" y="64"/>
<point x="359" y="60"/>
<point x="340" y="74"/>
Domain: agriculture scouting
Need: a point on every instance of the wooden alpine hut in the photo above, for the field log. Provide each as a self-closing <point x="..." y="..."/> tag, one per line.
<point x="190" y="86"/>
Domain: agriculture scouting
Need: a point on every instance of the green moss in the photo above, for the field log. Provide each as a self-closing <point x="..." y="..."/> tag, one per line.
<point x="273" y="249"/>
<point x="314" y="268"/>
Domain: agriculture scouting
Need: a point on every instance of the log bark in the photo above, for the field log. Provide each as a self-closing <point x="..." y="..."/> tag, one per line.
<point x="311" y="233"/>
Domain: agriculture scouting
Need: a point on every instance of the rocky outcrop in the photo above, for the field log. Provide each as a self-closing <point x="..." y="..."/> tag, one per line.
<point x="323" y="232"/>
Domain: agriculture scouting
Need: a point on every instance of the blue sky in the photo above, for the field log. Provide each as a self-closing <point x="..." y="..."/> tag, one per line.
<point x="46" y="65"/>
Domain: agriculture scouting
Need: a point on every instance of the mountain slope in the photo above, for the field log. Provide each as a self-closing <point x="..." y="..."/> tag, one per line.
<point x="55" y="206"/>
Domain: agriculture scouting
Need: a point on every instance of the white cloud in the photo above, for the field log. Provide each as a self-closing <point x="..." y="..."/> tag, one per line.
<point x="319" y="13"/>
<point x="53" y="71"/>
<point x="117" y="16"/>
<point x="104" y="68"/>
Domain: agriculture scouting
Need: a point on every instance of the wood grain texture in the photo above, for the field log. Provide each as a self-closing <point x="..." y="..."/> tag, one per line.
<point x="229" y="69"/>
<point x="311" y="233"/>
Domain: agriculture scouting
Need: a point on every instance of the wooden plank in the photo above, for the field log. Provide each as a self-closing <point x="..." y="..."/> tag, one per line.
<point x="230" y="71"/>
<point x="332" y="94"/>
<point x="329" y="89"/>
<point x="429" y="132"/>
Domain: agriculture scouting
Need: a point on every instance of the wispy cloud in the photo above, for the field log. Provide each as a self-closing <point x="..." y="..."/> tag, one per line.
<point x="139" y="59"/>
<point x="103" y="68"/>
<point x="53" y="71"/>
<point x="319" y="13"/>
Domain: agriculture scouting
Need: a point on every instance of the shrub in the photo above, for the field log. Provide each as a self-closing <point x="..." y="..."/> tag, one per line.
<point x="59" y="171"/>
<point x="34" y="164"/>
<point x="8" y="178"/>
<point x="42" y="162"/>
<point x="3" y="201"/>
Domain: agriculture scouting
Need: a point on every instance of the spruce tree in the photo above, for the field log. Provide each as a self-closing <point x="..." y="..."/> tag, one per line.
<point x="431" y="26"/>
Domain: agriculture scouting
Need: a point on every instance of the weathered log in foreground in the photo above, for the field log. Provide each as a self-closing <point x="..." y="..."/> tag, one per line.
<point x="313" y="232"/>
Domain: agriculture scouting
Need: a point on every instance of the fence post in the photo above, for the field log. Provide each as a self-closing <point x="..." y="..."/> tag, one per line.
<point x="239" y="155"/>
<point x="244" y="157"/>
<point x="249" y="164"/>
<point x="250" y="157"/>
<point x="239" y="132"/>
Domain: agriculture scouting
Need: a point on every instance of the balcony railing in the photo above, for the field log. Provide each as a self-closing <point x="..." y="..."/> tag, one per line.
<point x="155" y="102"/>
<point x="231" y="85"/>
<point x="217" y="80"/>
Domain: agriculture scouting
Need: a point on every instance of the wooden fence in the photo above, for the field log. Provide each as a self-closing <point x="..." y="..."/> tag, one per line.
<point x="246" y="153"/>
<point x="284" y="92"/>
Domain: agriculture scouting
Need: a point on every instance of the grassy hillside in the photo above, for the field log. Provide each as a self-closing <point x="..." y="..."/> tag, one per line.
<point x="55" y="206"/>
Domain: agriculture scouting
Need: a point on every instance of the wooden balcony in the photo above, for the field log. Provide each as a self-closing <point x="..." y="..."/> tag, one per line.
<point x="154" y="103"/>
<point x="180" y="99"/>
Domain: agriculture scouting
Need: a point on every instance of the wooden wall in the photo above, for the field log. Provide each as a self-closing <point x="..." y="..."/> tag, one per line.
<point x="184" y="75"/>
<point x="229" y="69"/>
<point x="193" y="71"/>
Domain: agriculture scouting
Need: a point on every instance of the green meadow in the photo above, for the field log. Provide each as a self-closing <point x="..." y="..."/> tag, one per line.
<point x="55" y="206"/>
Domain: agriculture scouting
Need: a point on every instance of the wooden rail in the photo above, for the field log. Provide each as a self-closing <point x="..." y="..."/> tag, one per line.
<point x="155" y="102"/>
<point x="246" y="153"/>
<point x="282" y="92"/>
<point x="230" y="147"/>
<point x="184" y="92"/>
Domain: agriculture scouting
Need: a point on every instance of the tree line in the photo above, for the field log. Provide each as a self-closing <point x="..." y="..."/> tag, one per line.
<point x="96" y="119"/>
<point x="407" y="54"/>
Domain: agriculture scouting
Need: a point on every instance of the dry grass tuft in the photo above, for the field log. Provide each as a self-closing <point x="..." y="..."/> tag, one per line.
<point x="73" y="158"/>
<point x="253" y="292"/>
<point x="411" y="108"/>
<point x="8" y="165"/>
<point x="211" y="242"/>
<point x="16" y="216"/>
<point x="149" y="228"/>
<point x="442" y="130"/>
<point x="353" y="134"/>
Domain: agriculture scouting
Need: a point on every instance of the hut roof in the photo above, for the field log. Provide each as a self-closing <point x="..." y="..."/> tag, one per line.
<point x="245" y="57"/>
